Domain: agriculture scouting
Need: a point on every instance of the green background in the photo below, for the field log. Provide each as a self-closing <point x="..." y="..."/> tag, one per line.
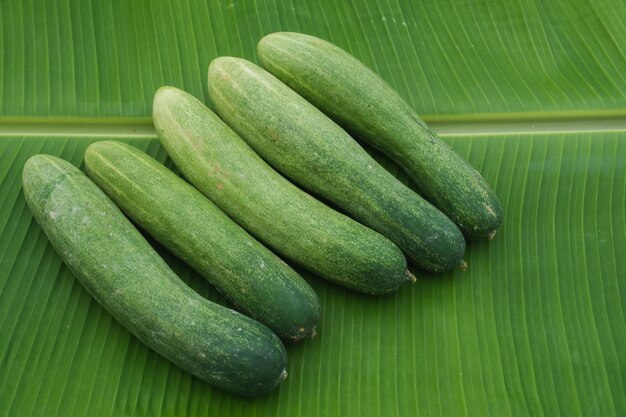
<point x="533" y="93"/>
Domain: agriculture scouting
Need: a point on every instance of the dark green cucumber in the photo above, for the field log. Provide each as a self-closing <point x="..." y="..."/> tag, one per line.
<point x="359" y="100"/>
<point x="308" y="147"/>
<point x="258" y="282"/>
<point x="221" y="165"/>
<point x="128" y="278"/>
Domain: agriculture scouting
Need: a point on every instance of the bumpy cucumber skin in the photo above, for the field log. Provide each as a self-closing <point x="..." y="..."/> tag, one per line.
<point x="308" y="147"/>
<point x="221" y="165"/>
<point x="128" y="278"/>
<point x="362" y="102"/>
<point x="258" y="282"/>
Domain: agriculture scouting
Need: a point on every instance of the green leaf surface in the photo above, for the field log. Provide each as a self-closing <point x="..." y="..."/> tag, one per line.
<point x="533" y="93"/>
<point x="535" y="327"/>
<point x="106" y="58"/>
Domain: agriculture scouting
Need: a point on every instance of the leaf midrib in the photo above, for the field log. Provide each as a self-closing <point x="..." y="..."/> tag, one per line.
<point x="447" y="125"/>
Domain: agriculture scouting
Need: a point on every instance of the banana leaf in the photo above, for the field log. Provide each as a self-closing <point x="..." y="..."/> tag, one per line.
<point x="532" y="93"/>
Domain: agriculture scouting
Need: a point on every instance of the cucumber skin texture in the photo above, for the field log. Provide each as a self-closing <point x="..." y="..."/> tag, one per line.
<point x="358" y="99"/>
<point x="308" y="147"/>
<point x="259" y="283"/>
<point x="291" y="222"/>
<point x="129" y="279"/>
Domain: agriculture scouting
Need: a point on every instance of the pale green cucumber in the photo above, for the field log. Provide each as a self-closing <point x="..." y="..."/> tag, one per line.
<point x="308" y="147"/>
<point x="259" y="283"/>
<point x="294" y="224"/>
<point x="362" y="102"/>
<point x="128" y="278"/>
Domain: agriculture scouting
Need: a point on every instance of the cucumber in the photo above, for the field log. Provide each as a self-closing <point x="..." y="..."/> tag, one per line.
<point x="258" y="283"/>
<point x="128" y="278"/>
<point x="359" y="100"/>
<point x="308" y="147"/>
<point x="291" y="222"/>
